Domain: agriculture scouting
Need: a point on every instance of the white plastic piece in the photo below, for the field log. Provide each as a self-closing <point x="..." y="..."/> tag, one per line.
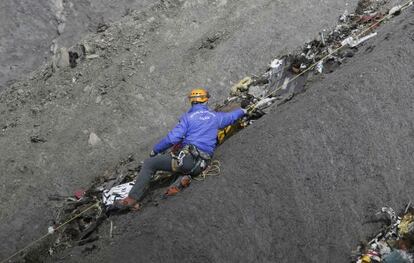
<point x="347" y="41"/>
<point x="322" y="36"/>
<point x="285" y="83"/>
<point x="50" y="229"/>
<point x="92" y="56"/>
<point x="264" y="103"/>
<point x="394" y="10"/>
<point x="344" y="16"/>
<point x="319" y="67"/>
<point x="356" y="42"/>
<point x="116" y="193"/>
<point x="277" y="63"/>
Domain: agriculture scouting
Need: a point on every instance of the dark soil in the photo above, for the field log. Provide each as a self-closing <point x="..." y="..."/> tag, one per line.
<point x="300" y="185"/>
<point x="62" y="127"/>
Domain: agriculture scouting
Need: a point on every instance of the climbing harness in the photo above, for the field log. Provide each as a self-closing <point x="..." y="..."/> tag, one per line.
<point x="200" y="160"/>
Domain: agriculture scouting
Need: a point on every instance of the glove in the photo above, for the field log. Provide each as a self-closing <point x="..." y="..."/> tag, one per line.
<point x="245" y="103"/>
<point x="153" y="154"/>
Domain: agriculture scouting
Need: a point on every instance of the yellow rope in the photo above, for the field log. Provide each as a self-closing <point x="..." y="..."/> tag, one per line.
<point x="212" y="170"/>
<point x="50" y="233"/>
<point x="403" y="7"/>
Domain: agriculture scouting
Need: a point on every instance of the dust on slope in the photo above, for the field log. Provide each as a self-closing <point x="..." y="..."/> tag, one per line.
<point x="32" y="31"/>
<point x="61" y="129"/>
<point x="301" y="184"/>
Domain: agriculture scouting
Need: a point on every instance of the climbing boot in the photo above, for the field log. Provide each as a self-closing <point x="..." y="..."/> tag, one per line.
<point x="127" y="203"/>
<point x="179" y="184"/>
<point x="185" y="181"/>
<point x="172" y="190"/>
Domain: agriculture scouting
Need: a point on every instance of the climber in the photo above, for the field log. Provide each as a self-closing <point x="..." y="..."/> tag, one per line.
<point x="196" y="135"/>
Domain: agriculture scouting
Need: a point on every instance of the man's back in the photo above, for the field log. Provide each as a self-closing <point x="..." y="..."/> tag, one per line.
<point x="199" y="127"/>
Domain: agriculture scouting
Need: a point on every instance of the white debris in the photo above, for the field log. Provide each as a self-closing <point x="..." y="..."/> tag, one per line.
<point x="276" y="64"/>
<point x="264" y="103"/>
<point x="344" y="17"/>
<point x="285" y="83"/>
<point x="116" y="193"/>
<point x="93" y="56"/>
<point x="322" y="36"/>
<point x="319" y="67"/>
<point x="276" y="70"/>
<point x="257" y="91"/>
<point x="352" y="42"/>
<point x="395" y="10"/>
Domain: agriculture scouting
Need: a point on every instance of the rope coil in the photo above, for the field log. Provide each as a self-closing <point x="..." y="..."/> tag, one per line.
<point x="212" y="170"/>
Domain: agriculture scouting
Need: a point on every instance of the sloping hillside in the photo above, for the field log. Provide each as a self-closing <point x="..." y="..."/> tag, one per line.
<point x="301" y="184"/>
<point x="64" y="126"/>
<point x="32" y="31"/>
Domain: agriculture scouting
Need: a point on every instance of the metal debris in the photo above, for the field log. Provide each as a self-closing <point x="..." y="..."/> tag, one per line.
<point x="319" y="67"/>
<point x="350" y="41"/>
<point x="118" y="192"/>
<point x="394" y="243"/>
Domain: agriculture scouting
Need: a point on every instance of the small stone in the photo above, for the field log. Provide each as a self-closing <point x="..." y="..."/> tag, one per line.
<point x="152" y="68"/>
<point x="94" y="139"/>
<point x="37" y="139"/>
<point x="92" y="56"/>
<point x="61" y="28"/>
<point x="89" y="49"/>
<point x="87" y="88"/>
<point x="61" y="59"/>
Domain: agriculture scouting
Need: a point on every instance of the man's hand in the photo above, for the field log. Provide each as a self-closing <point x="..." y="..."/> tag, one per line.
<point x="245" y="103"/>
<point x="153" y="154"/>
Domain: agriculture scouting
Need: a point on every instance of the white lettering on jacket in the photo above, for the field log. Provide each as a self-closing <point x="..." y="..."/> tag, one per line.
<point x="204" y="112"/>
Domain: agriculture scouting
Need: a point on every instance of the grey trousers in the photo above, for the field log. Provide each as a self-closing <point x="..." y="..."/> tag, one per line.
<point x="151" y="166"/>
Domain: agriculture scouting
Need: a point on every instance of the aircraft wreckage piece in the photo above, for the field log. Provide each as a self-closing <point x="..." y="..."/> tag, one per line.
<point x="394" y="243"/>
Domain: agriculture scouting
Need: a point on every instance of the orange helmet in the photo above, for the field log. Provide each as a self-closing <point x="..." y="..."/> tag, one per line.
<point x="198" y="96"/>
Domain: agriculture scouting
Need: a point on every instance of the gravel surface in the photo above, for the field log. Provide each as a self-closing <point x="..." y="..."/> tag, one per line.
<point x="302" y="183"/>
<point x="31" y="31"/>
<point x="64" y="126"/>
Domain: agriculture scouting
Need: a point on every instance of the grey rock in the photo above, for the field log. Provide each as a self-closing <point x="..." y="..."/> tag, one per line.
<point x="94" y="139"/>
<point x="61" y="59"/>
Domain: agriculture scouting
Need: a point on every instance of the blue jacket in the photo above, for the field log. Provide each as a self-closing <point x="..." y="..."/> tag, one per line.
<point x="199" y="127"/>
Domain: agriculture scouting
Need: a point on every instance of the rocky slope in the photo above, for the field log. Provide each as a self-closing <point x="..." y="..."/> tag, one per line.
<point x="64" y="126"/>
<point x="32" y="31"/>
<point x="300" y="185"/>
